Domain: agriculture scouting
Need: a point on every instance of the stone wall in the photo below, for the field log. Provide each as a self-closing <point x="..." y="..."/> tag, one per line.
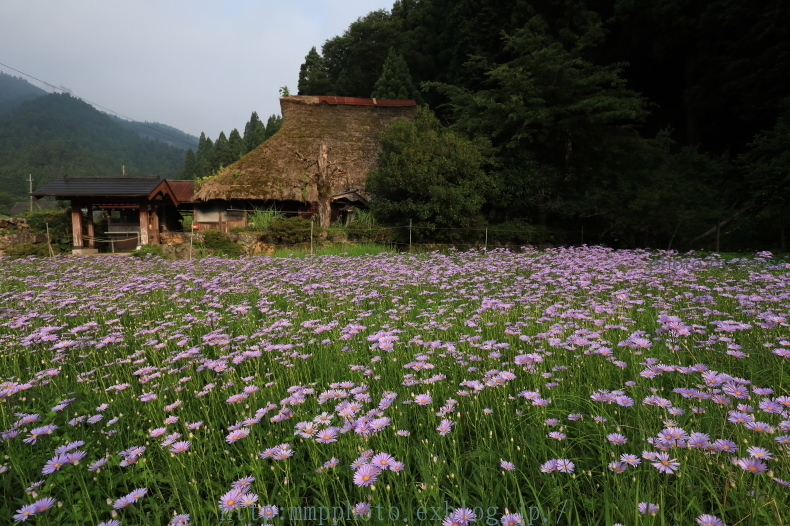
<point x="15" y="231"/>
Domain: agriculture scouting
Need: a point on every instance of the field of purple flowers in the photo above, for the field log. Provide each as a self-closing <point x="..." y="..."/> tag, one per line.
<point x="580" y="386"/>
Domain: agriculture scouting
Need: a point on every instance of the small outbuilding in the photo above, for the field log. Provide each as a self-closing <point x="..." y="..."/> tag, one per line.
<point x="137" y="209"/>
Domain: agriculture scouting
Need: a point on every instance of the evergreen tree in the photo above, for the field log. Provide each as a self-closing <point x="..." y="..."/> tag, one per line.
<point x="273" y="125"/>
<point x="190" y="164"/>
<point x="254" y="133"/>
<point x="223" y="154"/>
<point x="236" y="146"/>
<point x="313" y="79"/>
<point x="395" y="80"/>
<point x="205" y="157"/>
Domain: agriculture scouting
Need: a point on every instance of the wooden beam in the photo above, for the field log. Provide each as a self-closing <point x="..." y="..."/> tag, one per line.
<point x="91" y="229"/>
<point x="154" y="225"/>
<point x="143" y="224"/>
<point x="76" y="224"/>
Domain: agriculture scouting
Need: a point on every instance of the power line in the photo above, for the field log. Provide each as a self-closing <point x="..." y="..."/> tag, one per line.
<point x="162" y="132"/>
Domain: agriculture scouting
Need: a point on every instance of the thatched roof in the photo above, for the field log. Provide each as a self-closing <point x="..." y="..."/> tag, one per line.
<point x="276" y="170"/>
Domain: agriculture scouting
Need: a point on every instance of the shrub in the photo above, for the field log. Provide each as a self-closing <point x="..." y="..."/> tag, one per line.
<point x="220" y="244"/>
<point x="289" y="230"/>
<point x="259" y="219"/>
<point x="30" y="249"/>
<point x="149" y="250"/>
<point x="59" y="222"/>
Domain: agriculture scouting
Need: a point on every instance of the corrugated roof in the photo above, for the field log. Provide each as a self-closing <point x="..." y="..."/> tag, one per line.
<point x="98" y="186"/>
<point x="183" y="190"/>
<point x="358" y="101"/>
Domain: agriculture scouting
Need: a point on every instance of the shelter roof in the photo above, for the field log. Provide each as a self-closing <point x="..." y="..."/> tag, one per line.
<point x="76" y="187"/>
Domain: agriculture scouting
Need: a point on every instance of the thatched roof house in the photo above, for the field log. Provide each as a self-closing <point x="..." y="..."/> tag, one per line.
<point x="277" y="170"/>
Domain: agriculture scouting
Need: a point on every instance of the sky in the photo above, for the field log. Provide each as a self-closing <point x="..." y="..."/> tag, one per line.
<point x="196" y="65"/>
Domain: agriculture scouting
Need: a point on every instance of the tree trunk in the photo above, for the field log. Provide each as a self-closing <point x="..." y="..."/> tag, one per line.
<point x="324" y="187"/>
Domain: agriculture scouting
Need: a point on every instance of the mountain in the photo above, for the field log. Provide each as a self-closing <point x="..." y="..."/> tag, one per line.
<point x="14" y="91"/>
<point x="53" y="135"/>
<point x="161" y="132"/>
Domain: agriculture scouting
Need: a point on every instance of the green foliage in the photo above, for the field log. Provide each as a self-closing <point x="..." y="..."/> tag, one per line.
<point x="284" y="91"/>
<point x="260" y="218"/>
<point x="354" y="60"/>
<point x="431" y="176"/>
<point x="273" y="125"/>
<point x="395" y="80"/>
<point x="16" y="90"/>
<point x="190" y="165"/>
<point x="363" y="228"/>
<point x="6" y="203"/>
<point x="236" y="146"/>
<point x="220" y="244"/>
<point x="254" y="132"/>
<point x="149" y="251"/>
<point x="30" y="249"/>
<point x="289" y="230"/>
<point x="313" y="78"/>
<point x="56" y="222"/>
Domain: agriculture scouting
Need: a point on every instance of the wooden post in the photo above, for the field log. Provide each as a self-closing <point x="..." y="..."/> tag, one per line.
<point x="143" y="224"/>
<point x="76" y="224"/>
<point x="154" y="225"/>
<point x="91" y="229"/>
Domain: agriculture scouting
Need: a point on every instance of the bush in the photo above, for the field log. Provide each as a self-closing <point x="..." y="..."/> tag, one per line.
<point x="30" y="249"/>
<point x="149" y="250"/>
<point x="516" y="233"/>
<point x="219" y="244"/>
<point x="59" y="222"/>
<point x="260" y="218"/>
<point x="289" y="231"/>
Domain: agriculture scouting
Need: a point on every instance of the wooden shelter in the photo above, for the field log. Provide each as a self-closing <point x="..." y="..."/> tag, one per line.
<point x="139" y="208"/>
<point x="276" y="172"/>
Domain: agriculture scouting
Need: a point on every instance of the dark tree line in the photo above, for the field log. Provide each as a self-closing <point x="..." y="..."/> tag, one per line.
<point x="643" y="122"/>
<point x="212" y="156"/>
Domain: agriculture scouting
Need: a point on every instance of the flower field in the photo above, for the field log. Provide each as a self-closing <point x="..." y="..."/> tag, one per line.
<point x="581" y="386"/>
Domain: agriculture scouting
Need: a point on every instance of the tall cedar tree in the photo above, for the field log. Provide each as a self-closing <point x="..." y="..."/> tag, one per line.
<point x="254" y="133"/>
<point x="190" y="163"/>
<point x="223" y="154"/>
<point x="395" y="81"/>
<point x="557" y="119"/>
<point x="236" y="146"/>
<point x="313" y="79"/>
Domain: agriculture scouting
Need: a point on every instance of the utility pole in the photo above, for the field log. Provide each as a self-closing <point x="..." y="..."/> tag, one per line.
<point x="123" y="170"/>
<point x="30" y="178"/>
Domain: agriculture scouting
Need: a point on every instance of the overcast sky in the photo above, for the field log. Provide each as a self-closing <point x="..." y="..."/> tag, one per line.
<point x="197" y="65"/>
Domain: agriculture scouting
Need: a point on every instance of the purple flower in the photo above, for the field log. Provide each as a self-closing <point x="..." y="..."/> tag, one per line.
<point x="445" y="426"/>
<point x="752" y="464"/>
<point x="507" y="466"/>
<point x="423" y="399"/>
<point x="131" y="498"/>
<point x="709" y="520"/>
<point x="366" y="475"/>
<point x="647" y="508"/>
<point x="616" y="438"/>
<point x="231" y="500"/>
<point x="664" y="464"/>
<point x="236" y="435"/>
<point x="181" y="446"/>
<point x="512" y="519"/>
<point x="268" y="512"/>
<point x="54" y="464"/>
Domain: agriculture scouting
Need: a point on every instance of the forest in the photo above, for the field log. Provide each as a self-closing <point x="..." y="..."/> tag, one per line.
<point x="47" y="136"/>
<point x="640" y="123"/>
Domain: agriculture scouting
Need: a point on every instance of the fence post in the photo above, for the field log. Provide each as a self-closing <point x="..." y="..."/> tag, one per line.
<point x="311" y="235"/>
<point x="485" y="244"/>
<point x="409" y="235"/>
